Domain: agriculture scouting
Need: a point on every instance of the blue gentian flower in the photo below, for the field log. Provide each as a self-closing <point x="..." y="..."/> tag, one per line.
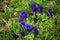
<point x="21" y="19"/>
<point x="33" y="9"/>
<point x="35" y="30"/>
<point x="22" y="23"/>
<point x="40" y="9"/>
<point x="15" y="36"/>
<point x="22" y="33"/>
<point x="28" y="27"/>
<point x="35" y="19"/>
<point x="32" y="4"/>
<point x="50" y="11"/>
<point x="48" y="14"/>
<point x="23" y="14"/>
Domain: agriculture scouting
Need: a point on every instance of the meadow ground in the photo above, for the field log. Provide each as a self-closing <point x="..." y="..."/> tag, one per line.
<point x="49" y="28"/>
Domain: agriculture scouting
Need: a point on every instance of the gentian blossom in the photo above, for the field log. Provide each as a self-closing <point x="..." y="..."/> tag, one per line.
<point x="50" y="11"/>
<point x="35" y="19"/>
<point x="35" y="30"/>
<point x="22" y="23"/>
<point x="23" y="14"/>
<point x="28" y="27"/>
<point x="33" y="9"/>
<point x="33" y="6"/>
<point x="40" y="9"/>
<point x="48" y="14"/>
<point x="22" y="33"/>
<point x="15" y="36"/>
<point x="21" y="19"/>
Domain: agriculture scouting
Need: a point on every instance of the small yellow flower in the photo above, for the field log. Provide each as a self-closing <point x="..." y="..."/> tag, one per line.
<point x="15" y="13"/>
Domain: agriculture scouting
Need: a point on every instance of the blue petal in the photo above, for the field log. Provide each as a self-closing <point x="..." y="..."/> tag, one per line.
<point x="32" y="4"/>
<point x="21" y="19"/>
<point x="23" y="14"/>
<point x="22" y="33"/>
<point x="15" y="36"/>
<point x="35" y="31"/>
<point x="28" y="27"/>
<point x="33" y="9"/>
<point x="40" y="9"/>
<point x="22" y="23"/>
<point x="50" y="10"/>
<point x="35" y="19"/>
<point x="48" y="14"/>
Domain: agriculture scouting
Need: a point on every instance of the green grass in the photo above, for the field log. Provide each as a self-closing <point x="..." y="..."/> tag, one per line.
<point x="48" y="29"/>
